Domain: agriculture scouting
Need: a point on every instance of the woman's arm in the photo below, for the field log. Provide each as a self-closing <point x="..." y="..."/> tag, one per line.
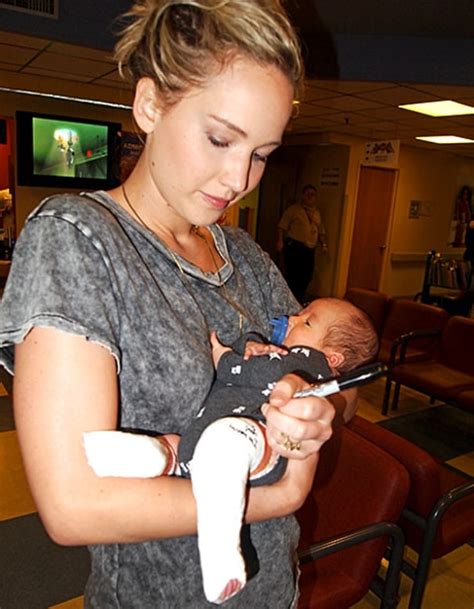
<point x="65" y="385"/>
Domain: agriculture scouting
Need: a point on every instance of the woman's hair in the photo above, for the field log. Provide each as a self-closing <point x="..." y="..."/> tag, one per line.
<point x="353" y="335"/>
<point x="180" y="44"/>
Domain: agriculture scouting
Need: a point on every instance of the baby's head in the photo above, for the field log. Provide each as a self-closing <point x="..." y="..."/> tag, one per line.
<point x="342" y="331"/>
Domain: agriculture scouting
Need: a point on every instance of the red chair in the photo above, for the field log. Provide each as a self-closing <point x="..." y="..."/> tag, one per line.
<point x="407" y="318"/>
<point x="375" y="304"/>
<point x="465" y="400"/>
<point x="358" y="488"/>
<point x="438" y="515"/>
<point x="448" y="372"/>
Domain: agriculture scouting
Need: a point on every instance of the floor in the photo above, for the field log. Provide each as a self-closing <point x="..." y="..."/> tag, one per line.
<point x="54" y="576"/>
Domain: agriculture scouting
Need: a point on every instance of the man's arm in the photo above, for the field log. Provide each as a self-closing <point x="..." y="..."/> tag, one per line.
<point x="280" y="239"/>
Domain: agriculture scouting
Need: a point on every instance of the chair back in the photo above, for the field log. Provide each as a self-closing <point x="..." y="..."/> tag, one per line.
<point x="430" y="481"/>
<point x="423" y="468"/>
<point x="356" y="484"/>
<point x="457" y="344"/>
<point x="405" y="316"/>
<point x="375" y="304"/>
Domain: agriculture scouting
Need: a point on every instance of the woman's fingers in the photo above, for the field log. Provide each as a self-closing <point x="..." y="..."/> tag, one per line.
<point x="296" y="438"/>
<point x="297" y="427"/>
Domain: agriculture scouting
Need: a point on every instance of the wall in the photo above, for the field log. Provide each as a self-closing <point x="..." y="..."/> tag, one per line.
<point x="425" y="175"/>
<point x="5" y="153"/>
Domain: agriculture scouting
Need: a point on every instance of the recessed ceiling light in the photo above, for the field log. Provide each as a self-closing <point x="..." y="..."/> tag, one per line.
<point x="445" y="139"/>
<point x="446" y="107"/>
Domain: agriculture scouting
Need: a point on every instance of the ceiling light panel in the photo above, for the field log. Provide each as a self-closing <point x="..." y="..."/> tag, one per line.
<point x="444" y="139"/>
<point x="445" y="107"/>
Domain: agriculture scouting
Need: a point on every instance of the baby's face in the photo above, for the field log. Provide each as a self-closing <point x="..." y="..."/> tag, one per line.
<point x="310" y="326"/>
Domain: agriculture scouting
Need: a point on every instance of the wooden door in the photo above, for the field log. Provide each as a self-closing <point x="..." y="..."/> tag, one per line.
<point x="369" y="239"/>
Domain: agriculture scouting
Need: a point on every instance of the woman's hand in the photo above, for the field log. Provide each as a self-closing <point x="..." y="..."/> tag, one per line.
<point x="297" y="427"/>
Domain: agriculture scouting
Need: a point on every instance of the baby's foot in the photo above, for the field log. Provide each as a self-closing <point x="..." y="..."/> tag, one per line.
<point x="223" y="572"/>
<point x="230" y="590"/>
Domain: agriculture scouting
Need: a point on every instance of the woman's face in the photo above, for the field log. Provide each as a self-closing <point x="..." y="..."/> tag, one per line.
<point x="209" y="149"/>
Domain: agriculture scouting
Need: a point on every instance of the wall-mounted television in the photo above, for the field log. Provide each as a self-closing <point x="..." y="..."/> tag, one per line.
<point x="66" y="152"/>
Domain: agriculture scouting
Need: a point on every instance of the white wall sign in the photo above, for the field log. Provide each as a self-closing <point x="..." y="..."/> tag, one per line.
<point x="382" y="153"/>
<point x="330" y="176"/>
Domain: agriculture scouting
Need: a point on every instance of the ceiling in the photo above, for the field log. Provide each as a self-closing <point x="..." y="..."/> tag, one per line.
<point x="368" y="109"/>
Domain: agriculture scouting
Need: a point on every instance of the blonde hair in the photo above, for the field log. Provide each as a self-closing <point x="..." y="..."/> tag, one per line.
<point x="180" y="44"/>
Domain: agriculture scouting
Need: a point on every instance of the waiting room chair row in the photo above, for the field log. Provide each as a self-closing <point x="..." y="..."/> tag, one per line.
<point x="373" y="493"/>
<point x="423" y="347"/>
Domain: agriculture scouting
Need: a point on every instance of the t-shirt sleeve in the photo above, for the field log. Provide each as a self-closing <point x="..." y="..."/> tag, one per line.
<point x="60" y="279"/>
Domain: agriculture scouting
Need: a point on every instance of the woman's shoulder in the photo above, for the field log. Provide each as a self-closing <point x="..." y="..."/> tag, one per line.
<point x="85" y="207"/>
<point x="239" y="237"/>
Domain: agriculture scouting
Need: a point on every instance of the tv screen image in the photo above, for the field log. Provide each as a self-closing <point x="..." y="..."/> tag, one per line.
<point x="69" y="149"/>
<point x="66" y="151"/>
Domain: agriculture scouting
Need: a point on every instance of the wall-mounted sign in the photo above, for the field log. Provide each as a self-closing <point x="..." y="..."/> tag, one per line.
<point x="330" y="176"/>
<point x="418" y="209"/>
<point x="382" y="153"/>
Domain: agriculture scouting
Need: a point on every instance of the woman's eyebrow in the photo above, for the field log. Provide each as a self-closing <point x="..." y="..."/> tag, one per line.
<point x="229" y="125"/>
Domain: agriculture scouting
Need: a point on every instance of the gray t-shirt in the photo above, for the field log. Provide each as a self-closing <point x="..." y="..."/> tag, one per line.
<point x="83" y="265"/>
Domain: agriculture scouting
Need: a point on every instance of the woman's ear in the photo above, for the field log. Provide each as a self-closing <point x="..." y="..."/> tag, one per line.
<point x="146" y="108"/>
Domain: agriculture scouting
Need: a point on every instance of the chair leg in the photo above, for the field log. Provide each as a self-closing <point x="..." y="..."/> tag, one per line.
<point x="386" y="395"/>
<point x="419" y="583"/>
<point x="396" y="396"/>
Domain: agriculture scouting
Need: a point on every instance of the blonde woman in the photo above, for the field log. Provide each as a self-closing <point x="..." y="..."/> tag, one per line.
<point x="112" y="295"/>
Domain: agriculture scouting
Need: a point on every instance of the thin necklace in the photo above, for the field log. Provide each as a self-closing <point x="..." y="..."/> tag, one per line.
<point x="197" y="232"/>
<point x="143" y="223"/>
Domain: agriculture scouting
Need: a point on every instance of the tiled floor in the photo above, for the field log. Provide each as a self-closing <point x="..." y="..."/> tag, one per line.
<point x="451" y="583"/>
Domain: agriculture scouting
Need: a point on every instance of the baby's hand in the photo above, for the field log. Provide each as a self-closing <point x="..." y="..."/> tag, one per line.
<point x="253" y="348"/>
<point x="218" y="349"/>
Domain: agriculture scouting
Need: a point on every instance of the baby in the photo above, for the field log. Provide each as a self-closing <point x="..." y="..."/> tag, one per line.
<point x="225" y="446"/>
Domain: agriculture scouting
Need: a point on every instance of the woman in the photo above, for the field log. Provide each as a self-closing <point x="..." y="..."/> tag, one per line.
<point x="112" y="296"/>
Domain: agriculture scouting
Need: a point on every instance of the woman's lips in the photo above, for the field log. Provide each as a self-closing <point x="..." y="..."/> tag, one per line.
<point x="216" y="202"/>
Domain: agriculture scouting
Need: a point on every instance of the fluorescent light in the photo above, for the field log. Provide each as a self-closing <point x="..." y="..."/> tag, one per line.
<point x="445" y="107"/>
<point x="81" y="100"/>
<point x="445" y="139"/>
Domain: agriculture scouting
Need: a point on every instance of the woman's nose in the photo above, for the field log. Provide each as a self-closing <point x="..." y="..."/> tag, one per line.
<point x="236" y="173"/>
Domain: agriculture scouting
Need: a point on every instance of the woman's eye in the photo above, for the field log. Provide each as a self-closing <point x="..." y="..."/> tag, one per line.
<point x="218" y="143"/>
<point x="259" y="158"/>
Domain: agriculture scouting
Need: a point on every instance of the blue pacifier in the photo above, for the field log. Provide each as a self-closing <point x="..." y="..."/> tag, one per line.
<point x="280" y="326"/>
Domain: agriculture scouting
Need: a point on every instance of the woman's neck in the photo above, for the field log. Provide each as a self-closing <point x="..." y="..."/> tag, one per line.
<point x="195" y="244"/>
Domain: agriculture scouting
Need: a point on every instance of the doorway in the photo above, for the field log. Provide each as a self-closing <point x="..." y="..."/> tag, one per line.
<point x="369" y="239"/>
<point x="288" y="169"/>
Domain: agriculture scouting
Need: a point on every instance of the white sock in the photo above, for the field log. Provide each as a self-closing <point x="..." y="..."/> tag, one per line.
<point x="127" y="455"/>
<point x="226" y="452"/>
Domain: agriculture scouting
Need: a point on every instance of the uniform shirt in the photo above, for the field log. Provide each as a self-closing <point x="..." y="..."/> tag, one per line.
<point x="84" y="266"/>
<point x="303" y="224"/>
